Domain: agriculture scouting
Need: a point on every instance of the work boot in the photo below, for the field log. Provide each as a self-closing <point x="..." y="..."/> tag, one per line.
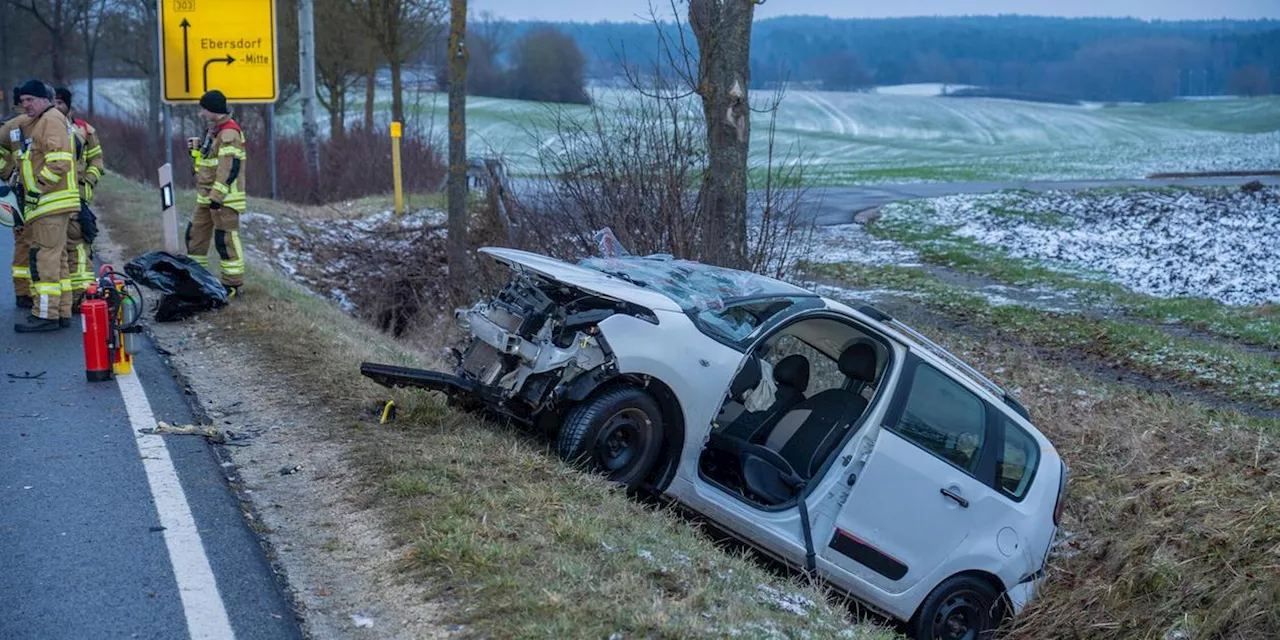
<point x="25" y="302"/>
<point x="36" y="325"/>
<point x="233" y="293"/>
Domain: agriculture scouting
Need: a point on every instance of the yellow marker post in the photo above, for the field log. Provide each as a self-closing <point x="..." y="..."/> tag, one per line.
<point x="396" y="133"/>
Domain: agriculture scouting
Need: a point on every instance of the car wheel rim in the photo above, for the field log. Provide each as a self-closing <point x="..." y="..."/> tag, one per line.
<point x="959" y="618"/>
<point x="621" y="439"/>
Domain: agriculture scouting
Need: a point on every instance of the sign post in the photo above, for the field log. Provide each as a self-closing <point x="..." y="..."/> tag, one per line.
<point x="228" y="45"/>
<point x="396" y="133"/>
<point x="169" y="213"/>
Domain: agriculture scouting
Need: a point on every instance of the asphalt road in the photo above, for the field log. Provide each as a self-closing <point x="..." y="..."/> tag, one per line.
<point x="83" y="553"/>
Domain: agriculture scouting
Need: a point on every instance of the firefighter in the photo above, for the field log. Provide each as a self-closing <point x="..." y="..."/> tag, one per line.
<point x="219" y="167"/>
<point x="52" y="194"/>
<point x="82" y="229"/>
<point x="12" y="133"/>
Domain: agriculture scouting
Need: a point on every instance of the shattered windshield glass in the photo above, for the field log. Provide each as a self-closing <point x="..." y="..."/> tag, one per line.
<point x="726" y="302"/>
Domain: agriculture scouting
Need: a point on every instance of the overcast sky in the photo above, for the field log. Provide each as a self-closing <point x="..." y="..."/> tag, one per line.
<point x="593" y="10"/>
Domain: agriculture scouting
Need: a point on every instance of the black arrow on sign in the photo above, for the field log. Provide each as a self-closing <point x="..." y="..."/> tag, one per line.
<point x="227" y="60"/>
<point x="186" y="58"/>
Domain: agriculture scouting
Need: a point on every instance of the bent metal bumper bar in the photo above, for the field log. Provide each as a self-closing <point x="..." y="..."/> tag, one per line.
<point x="391" y="376"/>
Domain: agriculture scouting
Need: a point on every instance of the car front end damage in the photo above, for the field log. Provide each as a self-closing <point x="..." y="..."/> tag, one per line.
<point x="528" y="351"/>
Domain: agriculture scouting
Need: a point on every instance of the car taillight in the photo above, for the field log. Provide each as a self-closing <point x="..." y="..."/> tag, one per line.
<point x="1062" y="496"/>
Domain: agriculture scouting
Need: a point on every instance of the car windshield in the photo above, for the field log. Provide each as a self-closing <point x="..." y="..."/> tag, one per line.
<point x="727" y="303"/>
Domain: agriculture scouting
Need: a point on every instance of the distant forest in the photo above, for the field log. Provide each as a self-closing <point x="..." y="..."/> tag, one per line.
<point x="1055" y="58"/>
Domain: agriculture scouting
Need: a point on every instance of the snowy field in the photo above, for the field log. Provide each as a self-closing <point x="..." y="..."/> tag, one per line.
<point x="901" y="134"/>
<point x="1219" y="244"/>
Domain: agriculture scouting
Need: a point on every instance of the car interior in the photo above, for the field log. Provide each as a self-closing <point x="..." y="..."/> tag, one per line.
<point x="797" y="397"/>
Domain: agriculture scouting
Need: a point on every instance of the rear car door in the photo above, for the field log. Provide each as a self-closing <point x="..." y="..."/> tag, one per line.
<point x="920" y="496"/>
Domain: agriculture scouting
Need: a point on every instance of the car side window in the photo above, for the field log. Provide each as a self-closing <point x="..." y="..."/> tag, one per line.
<point x="823" y="372"/>
<point x="1017" y="462"/>
<point x="943" y="417"/>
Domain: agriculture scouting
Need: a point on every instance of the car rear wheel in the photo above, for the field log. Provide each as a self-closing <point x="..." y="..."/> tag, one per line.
<point x="961" y="608"/>
<point x="618" y="432"/>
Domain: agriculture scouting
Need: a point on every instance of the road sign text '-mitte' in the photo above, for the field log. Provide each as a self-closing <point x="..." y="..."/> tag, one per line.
<point x="228" y="45"/>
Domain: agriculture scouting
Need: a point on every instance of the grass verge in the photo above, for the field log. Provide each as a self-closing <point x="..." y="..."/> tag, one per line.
<point x="1227" y="372"/>
<point x="526" y="546"/>
<point x="936" y="244"/>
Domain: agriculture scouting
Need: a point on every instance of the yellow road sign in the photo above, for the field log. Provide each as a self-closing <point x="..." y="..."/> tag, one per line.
<point x="228" y="45"/>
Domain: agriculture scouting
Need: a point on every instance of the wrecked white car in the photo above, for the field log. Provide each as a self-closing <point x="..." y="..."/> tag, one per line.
<point x="833" y="438"/>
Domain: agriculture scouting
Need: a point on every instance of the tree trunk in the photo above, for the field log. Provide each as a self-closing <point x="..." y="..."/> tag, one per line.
<point x="59" y="66"/>
<point x="337" y="109"/>
<point x="397" y="99"/>
<point x="370" y="91"/>
<point x="154" y="143"/>
<point x="6" y="79"/>
<point x="723" y="32"/>
<point x="89" y="64"/>
<point x="307" y="87"/>
<point x="459" y="240"/>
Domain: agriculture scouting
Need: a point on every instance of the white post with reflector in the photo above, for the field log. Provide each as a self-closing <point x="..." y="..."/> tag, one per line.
<point x="168" y="212"/>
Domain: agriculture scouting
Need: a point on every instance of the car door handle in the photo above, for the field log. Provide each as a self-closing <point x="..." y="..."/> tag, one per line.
<point x="960" y="500"/>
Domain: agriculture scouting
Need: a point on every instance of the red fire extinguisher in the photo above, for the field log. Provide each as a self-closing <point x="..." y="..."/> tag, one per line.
<point x="97" y="329"/>
<point x="110" y="312"/>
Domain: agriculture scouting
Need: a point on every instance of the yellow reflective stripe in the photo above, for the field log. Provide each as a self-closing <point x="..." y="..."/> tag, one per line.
<point x="56" y="201"/>
<point x="82" y="261"/>
<point x="64" y="286"/>
<point x="93" y="152"/>
<point x="47" y="288"/>
<point x="201" y="260"/>
<point x="231" y="151"/>
<point x="213" y="162"/>
<point x="235" y="267"/>
<point x="202" y="199"/>
<point x="220" y="187"/>
<point x="22" y="273"/>
<point x="48" y="174"/>
<point x="54" y="156"/>
<point x="95" y="172"/>
<point x="28" y="179"/>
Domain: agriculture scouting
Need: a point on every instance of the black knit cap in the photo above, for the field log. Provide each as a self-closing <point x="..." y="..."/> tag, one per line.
<point x="34" y="88"/>
<point x="63" y="94"/>
<point x="214" y="101"/>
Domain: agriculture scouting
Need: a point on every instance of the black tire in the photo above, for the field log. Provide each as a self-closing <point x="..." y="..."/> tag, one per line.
<point x="617" y="431"/>
<point x="961" y="608"/>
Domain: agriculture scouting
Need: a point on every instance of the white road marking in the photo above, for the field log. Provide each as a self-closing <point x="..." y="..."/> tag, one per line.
<point x="206" y="614"/>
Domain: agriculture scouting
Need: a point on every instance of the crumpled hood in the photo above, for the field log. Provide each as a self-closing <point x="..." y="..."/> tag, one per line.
<point x="588" y="280"/>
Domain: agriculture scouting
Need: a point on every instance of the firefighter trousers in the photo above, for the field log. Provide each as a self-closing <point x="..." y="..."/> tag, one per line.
<point x="21" y="256"/>
<point x="50" y="275"/>
<point x="79" y="261"/>
<point x="222" y="227"/>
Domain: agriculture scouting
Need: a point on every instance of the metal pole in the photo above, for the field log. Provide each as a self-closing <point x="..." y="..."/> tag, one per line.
<point x="168" y="134"/>
<point x="307" y="93"/>
<point x="396" y="132"/>
<point x="271" y="145"/>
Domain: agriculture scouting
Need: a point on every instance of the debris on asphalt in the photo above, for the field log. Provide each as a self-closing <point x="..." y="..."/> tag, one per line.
<point x="27" y="375"/>
<point x="215" y="436"/>
<point x="288" y="471"/>
<point x="362" y="622"/>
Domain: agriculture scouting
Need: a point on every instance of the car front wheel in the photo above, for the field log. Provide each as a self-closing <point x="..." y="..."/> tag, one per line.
<point x="961" y="608"/>
<point x="618" y="432"/>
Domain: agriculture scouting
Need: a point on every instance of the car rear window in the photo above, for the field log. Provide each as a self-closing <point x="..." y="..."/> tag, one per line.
<point x="1018" y="461"/>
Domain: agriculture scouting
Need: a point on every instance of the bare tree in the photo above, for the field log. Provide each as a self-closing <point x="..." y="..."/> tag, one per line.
<point x="134" y="17"/>
<point x="723" y="32"/>
<point x="400" y="28"/>
<point x="341" y="56"/>
<point x="59" y="19"/>
<point x="92" y="19"/>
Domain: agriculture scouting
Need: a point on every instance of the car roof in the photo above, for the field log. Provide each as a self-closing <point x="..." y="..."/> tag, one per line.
<point x="938" y="354"/>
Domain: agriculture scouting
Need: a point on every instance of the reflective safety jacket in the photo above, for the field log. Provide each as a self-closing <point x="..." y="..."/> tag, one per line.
<point x="12" y="133"/>
<point x="48" y="167"/>
<point x="219" y="165"/>
<point x="89" y="165"/>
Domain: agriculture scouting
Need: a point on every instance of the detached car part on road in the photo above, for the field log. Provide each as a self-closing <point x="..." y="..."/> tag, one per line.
<point x="829" y="437"/>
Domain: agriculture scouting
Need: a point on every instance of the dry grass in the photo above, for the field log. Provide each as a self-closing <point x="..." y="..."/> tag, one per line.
<point x="524" y="545"/>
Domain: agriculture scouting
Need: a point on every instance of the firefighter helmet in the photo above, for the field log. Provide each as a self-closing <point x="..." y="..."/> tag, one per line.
<point x="8" y="206"/>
